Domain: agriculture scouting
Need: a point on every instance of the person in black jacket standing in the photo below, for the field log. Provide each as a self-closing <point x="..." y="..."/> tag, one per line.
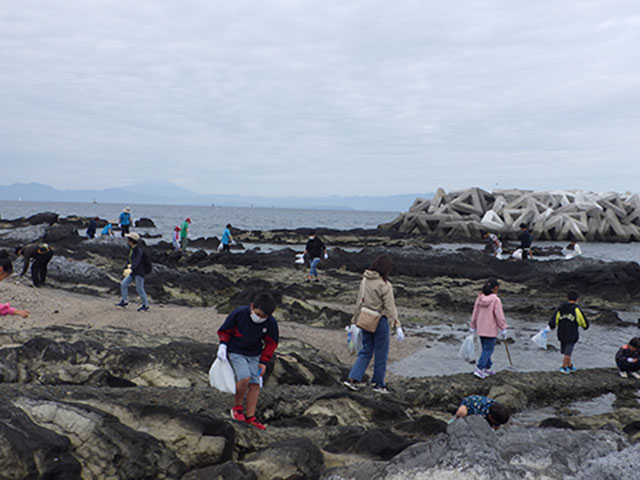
<point x="568" y="317"/>
<point x="526" y="239"/>
<point x="316" y="250"/>
<point x="135" y="271"/>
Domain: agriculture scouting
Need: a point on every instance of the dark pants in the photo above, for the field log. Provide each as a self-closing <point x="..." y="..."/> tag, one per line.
<point x="629" y="367"/>
<point x="39" y="268"/>
<point x="226" y="247"/>
<point x="124" y="229"/>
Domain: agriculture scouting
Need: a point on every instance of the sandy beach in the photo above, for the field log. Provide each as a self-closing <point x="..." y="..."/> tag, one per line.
<point x="52" y="306"/>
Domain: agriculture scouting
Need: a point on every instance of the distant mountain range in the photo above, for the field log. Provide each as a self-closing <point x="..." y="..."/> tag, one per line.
<point x="167" y="193"/>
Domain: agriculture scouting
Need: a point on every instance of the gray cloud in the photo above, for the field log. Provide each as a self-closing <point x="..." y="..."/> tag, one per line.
<point x="295" y="97"/>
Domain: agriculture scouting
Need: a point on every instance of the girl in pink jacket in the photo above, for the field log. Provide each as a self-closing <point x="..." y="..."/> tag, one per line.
<point x="6" y="269"/>
<point x="487" y="320"/>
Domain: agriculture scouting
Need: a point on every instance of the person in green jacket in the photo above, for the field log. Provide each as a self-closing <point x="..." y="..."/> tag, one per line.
<point x="184" y="232"/>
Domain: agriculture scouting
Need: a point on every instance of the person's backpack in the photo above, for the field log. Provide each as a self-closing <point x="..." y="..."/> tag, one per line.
<point x="147" y="265"/>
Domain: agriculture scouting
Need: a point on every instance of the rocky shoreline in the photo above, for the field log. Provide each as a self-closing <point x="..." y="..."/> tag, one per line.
<point x="83" y="401"/>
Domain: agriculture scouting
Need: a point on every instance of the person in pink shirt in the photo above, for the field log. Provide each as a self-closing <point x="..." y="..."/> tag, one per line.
<point x="487" y="320"/>
<point x="6" y="269"/>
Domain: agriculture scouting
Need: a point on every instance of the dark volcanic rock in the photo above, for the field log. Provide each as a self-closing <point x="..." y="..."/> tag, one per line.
<point x="144" y="223"/>
<point x="62" y="234"/>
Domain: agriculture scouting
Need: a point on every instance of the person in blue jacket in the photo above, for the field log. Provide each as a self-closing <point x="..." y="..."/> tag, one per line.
<point x="226" y="238"/>
<point x="248" y="339"/>
<point x="125" y="221"/>
<point x="135" y="271"/>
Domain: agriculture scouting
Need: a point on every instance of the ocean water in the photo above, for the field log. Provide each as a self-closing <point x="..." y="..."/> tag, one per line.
<point x="206" y="221"/>
<point x="210" y="222"/>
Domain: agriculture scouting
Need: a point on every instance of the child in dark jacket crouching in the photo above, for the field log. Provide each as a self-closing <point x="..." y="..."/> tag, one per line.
<point x="628" y="359"/>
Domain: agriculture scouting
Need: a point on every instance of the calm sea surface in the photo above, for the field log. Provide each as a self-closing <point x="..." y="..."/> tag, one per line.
<point x="210" y="221"/>
<point x="207" y="221"/>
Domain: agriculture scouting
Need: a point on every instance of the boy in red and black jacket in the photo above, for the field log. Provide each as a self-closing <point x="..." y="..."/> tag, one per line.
<point x="248" y="338"/>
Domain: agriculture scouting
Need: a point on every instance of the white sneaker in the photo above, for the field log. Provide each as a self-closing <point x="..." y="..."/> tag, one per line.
<point x="636" y="375"/>
<point x="623" y="374"/>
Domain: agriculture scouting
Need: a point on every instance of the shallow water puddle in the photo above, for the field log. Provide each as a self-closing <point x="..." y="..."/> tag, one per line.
<point x="597" y="348"/>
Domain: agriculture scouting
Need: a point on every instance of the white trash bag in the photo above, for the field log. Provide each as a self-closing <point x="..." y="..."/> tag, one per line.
<point x="354" y="338"/>
<point x="540" y="338"/>
<point x="221" y="376"/>
<point x="299" y="258"/>
<point x="468" y="349"/>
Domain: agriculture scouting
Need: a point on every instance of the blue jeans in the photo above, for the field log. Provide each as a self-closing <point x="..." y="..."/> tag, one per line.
<point x="124" y="286"/>
<point x="312" y="270"/>
<point x="488" y="345"/>
<point x="373" y="343"/>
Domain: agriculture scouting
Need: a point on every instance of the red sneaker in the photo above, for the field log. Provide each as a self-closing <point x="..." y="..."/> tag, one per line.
<point x="253" y="421"/>
<point x="236" y="414"/>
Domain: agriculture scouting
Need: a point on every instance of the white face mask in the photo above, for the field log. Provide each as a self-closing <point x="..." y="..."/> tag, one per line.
<point x="257" y="319"/>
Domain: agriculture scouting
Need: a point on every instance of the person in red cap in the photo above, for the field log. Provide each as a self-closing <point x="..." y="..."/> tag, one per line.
<point x="184" y="232"/>
<point x="175" y="238"/>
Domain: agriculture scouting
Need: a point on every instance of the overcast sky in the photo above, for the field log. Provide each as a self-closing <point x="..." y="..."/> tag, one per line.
<point x="321" y="97"/>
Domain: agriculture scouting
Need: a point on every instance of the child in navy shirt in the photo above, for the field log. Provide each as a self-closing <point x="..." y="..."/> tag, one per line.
<point x="248" y="338"/>
<point x="493" y="412"/>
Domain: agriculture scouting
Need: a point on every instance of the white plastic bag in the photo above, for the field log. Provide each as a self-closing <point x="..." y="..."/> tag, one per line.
<point x="221" y="376"/>
<point x="517" y="254"/>
<point x="540" y="338"/>
<point x="299" y="258"/>
<point x="354" y="338"/>
<point x="399" y="334"/>
<point x="468" y="349"/>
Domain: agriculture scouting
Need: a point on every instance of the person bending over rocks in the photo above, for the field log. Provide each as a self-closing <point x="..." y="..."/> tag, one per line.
<point x="6" y="269"/>
<point x="628" y="359"/>
<point x="135" y="271"/>
<point x="248" y="339"/>
<point x="568" y="317"/>
<point x="375" y="294"/>
<point x="496" y="414"/>
<point x="316" y="250"/>
<point x="41" y="255"/>
<point x="494" y="243"/>
<point x="487" y="320"/>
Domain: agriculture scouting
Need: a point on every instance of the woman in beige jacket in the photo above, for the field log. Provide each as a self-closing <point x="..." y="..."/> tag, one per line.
<point x="375" y="293"/>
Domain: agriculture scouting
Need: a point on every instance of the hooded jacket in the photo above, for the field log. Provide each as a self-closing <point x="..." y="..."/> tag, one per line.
<point x="377" y="294"/>
<point x="568" y="317"/>
<point x="487" y="317"/>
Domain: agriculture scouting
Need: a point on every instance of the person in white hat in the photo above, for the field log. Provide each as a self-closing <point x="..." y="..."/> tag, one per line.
<point x="137" y="268"/>
<point x="125" y="221"/>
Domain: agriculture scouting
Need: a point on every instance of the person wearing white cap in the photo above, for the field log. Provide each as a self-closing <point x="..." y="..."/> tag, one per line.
<point x="135" y="271"/>
<point x="125" y="221"/>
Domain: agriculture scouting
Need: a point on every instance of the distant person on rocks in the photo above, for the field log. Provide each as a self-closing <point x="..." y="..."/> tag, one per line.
<point x="227" y="238"/>
<point x="494" y="243"/>
<point x="568" y="317"/>
<point x="125" y="221"/>
<point x="175" y="238"/>
<point x="628" y="359"/>
<point x="526" y="239"/>
<point x="107" y="231"/>
<point x="248" y="339"/>
<point x="135" y="271"/>
<point x="316" y="250"/>
<point x="41" y="255"/>
<point x="376" y="293"/>
<point x="496" y="414"/>
<point x="91" y="228"/>
<point x="184" y="232"/>
<point x="572" y="250"/>
<point x="6" y="269"/>
<point x="487" y="320"/>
